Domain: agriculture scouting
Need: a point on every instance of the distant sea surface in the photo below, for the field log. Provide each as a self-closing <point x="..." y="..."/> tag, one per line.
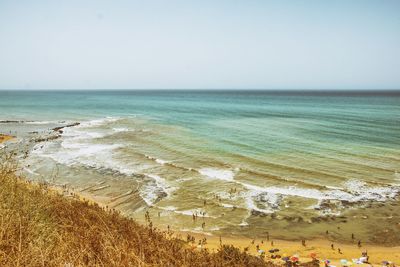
<point x="246" y="161"/>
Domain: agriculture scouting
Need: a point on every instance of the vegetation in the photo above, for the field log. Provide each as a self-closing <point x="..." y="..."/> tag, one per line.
<point x="41" y="227"/>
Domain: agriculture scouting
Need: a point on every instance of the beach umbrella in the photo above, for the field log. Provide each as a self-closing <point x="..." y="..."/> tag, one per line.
<point x="294" y="258"/>
<point x="285" y="258"/>
<point x="276" y="250"/>
<point x="343" y="262"/>
<point x="271" y="250"/>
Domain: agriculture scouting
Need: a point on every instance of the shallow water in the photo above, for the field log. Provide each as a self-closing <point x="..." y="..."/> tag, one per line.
<point x="288" y="163"/>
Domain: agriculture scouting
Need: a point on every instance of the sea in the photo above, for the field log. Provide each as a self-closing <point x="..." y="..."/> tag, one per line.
<point x="285" y="164"/>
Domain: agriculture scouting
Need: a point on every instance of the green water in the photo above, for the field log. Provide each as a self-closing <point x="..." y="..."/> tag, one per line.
<point x="261" y="161"/>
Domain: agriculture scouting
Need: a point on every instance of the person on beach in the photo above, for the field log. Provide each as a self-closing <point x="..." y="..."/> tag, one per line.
<point x="364" y="257"/>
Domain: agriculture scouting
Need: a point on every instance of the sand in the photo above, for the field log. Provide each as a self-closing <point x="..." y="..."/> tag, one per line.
<point x="4" y="138"/>
<point x="321" y="247"/>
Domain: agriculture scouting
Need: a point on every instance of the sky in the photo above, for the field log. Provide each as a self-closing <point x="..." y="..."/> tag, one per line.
<point x="170" y="44"/>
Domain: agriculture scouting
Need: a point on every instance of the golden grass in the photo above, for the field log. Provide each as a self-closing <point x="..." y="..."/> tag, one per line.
<point x="41" y="227"/>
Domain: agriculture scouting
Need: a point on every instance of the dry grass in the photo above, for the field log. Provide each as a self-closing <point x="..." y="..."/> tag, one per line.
<point x="40" y="227"/>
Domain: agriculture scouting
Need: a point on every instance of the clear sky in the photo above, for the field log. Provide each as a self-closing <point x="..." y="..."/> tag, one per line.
<point x="95" y="44"/>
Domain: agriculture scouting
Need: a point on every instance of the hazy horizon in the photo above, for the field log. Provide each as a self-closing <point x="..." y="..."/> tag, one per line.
<point x="257" y="45"/>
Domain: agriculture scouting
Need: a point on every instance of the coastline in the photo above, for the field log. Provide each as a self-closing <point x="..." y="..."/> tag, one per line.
<point x="322" y="247"/>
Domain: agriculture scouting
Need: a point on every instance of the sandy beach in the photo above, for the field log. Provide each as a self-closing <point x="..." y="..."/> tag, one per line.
<point x="321" y="247"/>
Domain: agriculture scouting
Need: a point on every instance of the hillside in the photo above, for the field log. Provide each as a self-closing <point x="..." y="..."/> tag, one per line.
<point x="41" y="227"/>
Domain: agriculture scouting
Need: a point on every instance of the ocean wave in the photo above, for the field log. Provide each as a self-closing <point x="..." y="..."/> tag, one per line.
<point x="119" y="130"/>
<point x="159" y="161"/>
<point x="43" y="122"/>
<point x="219" y="174"/>
<point x="229" y="206"/>
<point x="83" y="144"/>
<point x="98" y="122"/>
<point x="156" y="189"/>
<point x="354" y="191"/>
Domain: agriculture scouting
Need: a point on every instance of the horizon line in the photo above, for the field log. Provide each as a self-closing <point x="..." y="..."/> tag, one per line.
<point x="196" y="89"/>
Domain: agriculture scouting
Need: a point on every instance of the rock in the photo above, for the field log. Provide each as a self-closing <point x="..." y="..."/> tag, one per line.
<point x="56" y="129"/>
<point x="48" y="138"/>
<point x="9" y="121"/>
<point x="258" y="213"/>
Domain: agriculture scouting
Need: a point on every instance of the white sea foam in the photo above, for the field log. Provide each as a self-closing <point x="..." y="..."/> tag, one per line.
<point x="98" y="122"/>
<point x="153" y="190"/>
<point x="168" y="208"/>
<point x="218" y="174"/>
<point x="354" y="191"/>
<point x="118" y="130"/>
<point x="41" y="122"/>
<point x="159" y="161"/>
<point x="77" y="147"/>
<point x="227" y="205"/>
<point x="244" y="223"/>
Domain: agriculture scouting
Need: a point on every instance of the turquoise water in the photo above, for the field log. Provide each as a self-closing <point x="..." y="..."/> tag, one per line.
<point x="246" y="152"/>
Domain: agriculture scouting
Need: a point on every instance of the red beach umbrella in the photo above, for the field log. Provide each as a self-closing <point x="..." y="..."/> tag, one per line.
<point x="294" y="258"/>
